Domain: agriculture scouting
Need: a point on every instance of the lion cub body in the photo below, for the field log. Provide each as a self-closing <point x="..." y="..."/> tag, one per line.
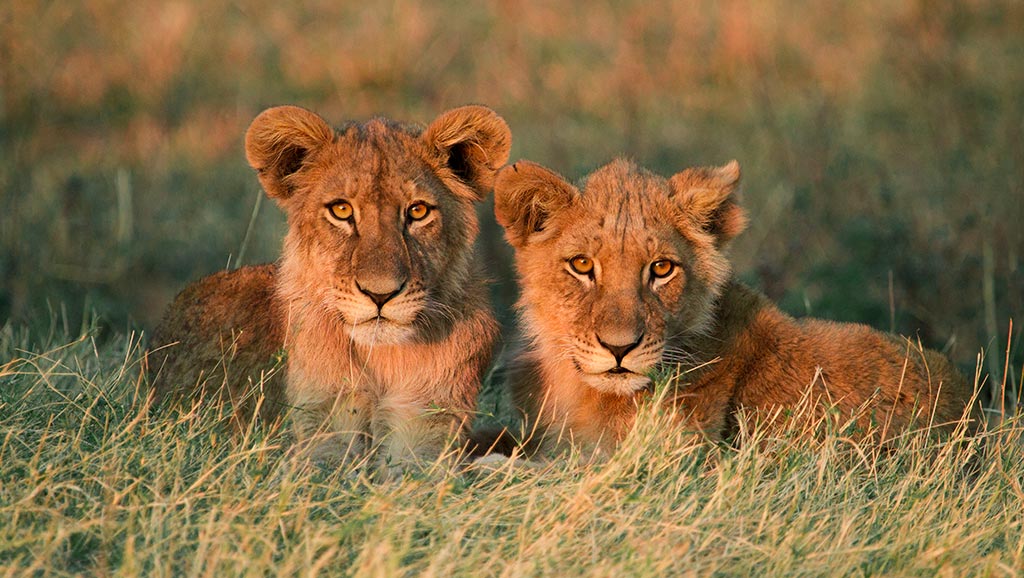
<point x="222" y="341"/>
<point x="628" y="277"/>
<point x="378" y="302"/>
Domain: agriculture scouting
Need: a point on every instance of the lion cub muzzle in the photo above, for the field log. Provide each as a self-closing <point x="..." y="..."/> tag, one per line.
<point x="380" y="299"/>
<point x="386" y="314"/>
<point x="618" y="364"/>
<point x="384" y="301"/>
<point x="620" y="351"/>
<point x="620" y="326"/>
<point x="381" y="276"/>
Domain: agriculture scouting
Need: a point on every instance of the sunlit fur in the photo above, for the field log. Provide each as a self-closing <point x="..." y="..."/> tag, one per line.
<point x="402" y="376"/>
<point x="727" y="345"/>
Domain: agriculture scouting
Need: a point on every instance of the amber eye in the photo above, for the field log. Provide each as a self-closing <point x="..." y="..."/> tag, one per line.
<point x="340" y="210"/>
<point x="662" y="268"/>
<point x="418" y="211"/>
<point x="581" y="264"/>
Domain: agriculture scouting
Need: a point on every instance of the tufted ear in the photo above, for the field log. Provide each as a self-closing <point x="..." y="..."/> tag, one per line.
<point x="471" y="143"/>
<point x="277" y="143"/>
<point x="526" y="196"/>
<point x="707" y="197"/>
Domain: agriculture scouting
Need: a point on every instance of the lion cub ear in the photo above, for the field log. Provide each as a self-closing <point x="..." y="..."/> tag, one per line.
<point x="707" y="197"/>
<point x="470" y="143"/>
<point x="277" y="143"/>
<point x="526" y="196"/>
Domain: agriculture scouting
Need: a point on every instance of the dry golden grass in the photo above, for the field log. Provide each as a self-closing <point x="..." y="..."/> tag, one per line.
<point x="92" y="483"/>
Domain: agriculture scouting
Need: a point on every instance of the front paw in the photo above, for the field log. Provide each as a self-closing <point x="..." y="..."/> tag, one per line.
<point x="390" y="468"/>
<point x="334" y="451"/>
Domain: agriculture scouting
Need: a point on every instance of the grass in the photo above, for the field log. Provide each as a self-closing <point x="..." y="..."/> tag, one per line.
<point x="92" y="483"/>
<point x="880" y="143"/>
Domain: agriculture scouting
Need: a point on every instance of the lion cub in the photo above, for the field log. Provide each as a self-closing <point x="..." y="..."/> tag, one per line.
<point x="378" y="302"/>
<point x="628" y="276"/>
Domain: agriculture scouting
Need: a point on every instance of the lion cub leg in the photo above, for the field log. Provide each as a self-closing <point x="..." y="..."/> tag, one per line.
<point x="412" y="432"/>
<point x="332" y="430"/>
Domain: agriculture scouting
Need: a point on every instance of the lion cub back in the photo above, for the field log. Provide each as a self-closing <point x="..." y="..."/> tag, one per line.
<point x="884" y="381"/>
<point x="221" y="340"/>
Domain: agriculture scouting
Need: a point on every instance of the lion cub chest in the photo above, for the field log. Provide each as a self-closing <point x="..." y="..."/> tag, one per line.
<point x="327" y="367"/>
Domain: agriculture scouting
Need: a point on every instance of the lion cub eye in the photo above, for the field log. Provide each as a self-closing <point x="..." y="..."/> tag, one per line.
<point x="582" y="264"/>
<point x="341" y="210"/>
<point x="418" y="211"/>
<point x="662" y="268"/>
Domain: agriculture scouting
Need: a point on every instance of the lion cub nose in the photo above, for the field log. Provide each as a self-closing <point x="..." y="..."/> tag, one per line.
<point x="380" y="298"/>
<point x="620" y="351"/>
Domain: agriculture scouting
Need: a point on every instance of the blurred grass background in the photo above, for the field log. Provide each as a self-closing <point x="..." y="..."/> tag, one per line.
<point x="880" y="140"/>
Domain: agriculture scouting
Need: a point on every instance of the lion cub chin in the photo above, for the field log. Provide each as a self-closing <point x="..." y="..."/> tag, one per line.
<point x="378" y="302"/>
<point x="627" y="277"/>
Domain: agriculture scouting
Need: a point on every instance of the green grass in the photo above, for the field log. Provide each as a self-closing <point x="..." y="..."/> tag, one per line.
<point x="92" y="483"/>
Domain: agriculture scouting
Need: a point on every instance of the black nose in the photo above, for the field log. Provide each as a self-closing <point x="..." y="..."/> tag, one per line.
<point x="380" y="298"/>
<point x="620" y="351"/>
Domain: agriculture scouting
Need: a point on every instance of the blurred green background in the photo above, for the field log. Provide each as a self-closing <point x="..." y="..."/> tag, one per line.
<point x="881" y="141"/>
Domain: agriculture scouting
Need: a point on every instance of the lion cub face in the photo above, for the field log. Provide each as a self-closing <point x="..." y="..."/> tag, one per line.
<point x="612" y="273"/>
<point x="381" y="216"/>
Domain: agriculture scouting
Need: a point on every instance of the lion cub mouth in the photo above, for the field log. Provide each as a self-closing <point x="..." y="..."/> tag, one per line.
<point x="382" y="320"/>
<point x="618" y="380"/>
<point x="381" y="330"/>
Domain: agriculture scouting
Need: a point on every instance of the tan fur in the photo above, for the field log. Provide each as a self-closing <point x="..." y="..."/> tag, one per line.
<point x="727" y="345"/>
<point x="400" y="375"/>
<point x="221" y="341"/>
